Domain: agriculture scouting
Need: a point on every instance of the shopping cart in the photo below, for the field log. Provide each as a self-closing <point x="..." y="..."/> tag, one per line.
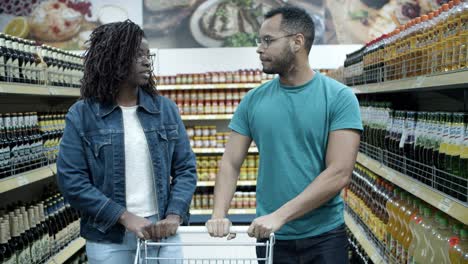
<point x="235" y="252"/>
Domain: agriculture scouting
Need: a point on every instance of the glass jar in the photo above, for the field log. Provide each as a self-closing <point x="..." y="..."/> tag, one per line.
<point x="206" y="142"/>
<point x="208" y="108"/>
<point x="198" y="131"/>
<point x="258" y="76"/>
<point x="214" y="95"/>
<point x="205" y="201"/>
<point x="229" y="108"/>
<point x="229" y="77"/>
<point x="205" y="131"/>
<point x="251" y="76"/>
<point x="213" y="131"/>
<point x="212" y="142"/>
<point x="193" y="95"/>
<point x="190" y="132"/>
<point x="215" y="107"/>
<point x="180" y="95"/>
<point x="243" y="76"/>
<point x="229" y="94"/>
<point x="222" y="107"/>
<point x="222" y="94"/>
<point x="200" y="108"/>
<point x="243" y="174"/>
<point x="237" y="76"/>
<point x="222" y="77"/>
<point x="193" y="107"/>
<point x="186" y="108"/>
<point x="215" y="77"/>
<point x="211" y="174"/>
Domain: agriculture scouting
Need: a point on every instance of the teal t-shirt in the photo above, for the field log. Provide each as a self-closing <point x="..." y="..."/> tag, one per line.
<point x="290" y="126"/>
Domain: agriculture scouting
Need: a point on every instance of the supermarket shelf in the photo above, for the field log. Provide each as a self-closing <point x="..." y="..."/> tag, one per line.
<point x="26" y="178"/>
<point x="34" y="89"/>
<point x="237" y="216"/>
<point x="217" y="150"/>
<point x="207" y="117"/>
<point x="68" y="252"/>
<point x="366" y="243"/>
<point x="456" y="79"/>
<point x="231" y="211"/>
<point x="239" y="183"/>
<point x="450" y="206"/>
<point x="207" y="86"/>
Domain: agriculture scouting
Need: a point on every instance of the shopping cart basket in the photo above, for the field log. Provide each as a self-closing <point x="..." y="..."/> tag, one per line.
<point x="210" y="245"/>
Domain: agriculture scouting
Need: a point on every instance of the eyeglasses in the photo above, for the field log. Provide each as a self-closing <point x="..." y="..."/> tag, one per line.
<point x="267" y="40"/>
<point x="149" y="57"/>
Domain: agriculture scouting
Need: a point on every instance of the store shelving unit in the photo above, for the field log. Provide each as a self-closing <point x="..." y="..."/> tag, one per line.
<point x="448" y="205"/>
<point x="239" y="183"/>
<point x="440" y="92"/>
<point x="17" y="181"/>
<point x="239" y="216"/>
<point x="67" y="252"/>
<point x="217" y="150"/>
<point x="207" y="86"/>
<point x="366" y="243"/>
<point x="33" y="89"/>
<point x="457" y="79"/>
<point x="207" y="117"/>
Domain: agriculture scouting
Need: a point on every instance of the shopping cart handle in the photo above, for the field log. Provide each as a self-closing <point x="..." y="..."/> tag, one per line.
<point x="203" y="229"/>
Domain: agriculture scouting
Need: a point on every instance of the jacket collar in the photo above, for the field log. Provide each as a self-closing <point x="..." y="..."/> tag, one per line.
<point x="145" y="101"/>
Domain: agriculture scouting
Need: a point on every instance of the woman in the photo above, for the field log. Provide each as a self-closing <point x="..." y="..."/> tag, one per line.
<point x="125" y="160"/>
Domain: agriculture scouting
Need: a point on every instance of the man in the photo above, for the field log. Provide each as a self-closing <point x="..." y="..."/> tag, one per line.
<point x="307" y="128"/>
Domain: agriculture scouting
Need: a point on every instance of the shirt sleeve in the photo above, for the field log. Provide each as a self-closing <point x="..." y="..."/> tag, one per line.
<point x="240" y="120"/>
<point x="345" y="112"/>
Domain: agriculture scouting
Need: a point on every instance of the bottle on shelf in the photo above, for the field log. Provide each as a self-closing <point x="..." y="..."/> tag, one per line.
<point x="7" y="254"/>
<point x="19" y="246"/>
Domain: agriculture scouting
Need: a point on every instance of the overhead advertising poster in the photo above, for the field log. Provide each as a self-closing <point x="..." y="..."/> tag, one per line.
<point x="235" y="23"/>
<point x="65" y="24"/>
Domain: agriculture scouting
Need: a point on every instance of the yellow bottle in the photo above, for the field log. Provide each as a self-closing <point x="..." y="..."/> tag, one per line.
<point x="454" y="250"/>
<point x="415" y="50"/>
<point x="440" y="44"/>
<point x="463" y="37"/>
<point x="440" y="241"/>
<point x="456" y="30"/>
<point x="402" y="248"/>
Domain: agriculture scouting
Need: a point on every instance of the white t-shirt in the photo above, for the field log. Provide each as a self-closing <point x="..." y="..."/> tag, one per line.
<point x="139" y="187"/>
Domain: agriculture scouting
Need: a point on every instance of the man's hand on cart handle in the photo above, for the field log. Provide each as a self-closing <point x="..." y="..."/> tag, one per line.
<point x="263" y="226"/>
<point x="220" y="227"/>
<point x="135" y="224"/>
<point x="164" y="228"/>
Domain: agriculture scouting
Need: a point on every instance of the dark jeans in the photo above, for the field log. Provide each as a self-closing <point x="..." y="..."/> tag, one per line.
<point x="330" y="247"/>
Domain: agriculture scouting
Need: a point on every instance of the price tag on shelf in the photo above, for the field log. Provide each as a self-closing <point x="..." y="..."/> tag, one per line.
<point x="22" y="181"/>
<point x="419" y="81"/>
<point x="445" y="205"/>
<point x="389" y="174"/>
<point x="414" y="190"/>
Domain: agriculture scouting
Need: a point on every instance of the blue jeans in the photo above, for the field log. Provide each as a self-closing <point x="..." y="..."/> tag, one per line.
<point x="110" y="253"/>
<point x="328" y="248"/>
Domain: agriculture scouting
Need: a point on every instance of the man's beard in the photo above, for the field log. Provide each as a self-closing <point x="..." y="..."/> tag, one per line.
<point x="282" y="66"/>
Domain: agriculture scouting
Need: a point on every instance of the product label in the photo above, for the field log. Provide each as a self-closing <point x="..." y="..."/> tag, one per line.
<point x="22" y="257"/>
<point x="11" y="260"/>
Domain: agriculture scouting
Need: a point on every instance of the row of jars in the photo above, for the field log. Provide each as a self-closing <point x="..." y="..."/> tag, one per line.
<point x="240" y="76"/>
<point x="205" y="95"/>
<point x="207" y="107"/>
<point x="212" y="162"/>
<point x="242" y="200"/>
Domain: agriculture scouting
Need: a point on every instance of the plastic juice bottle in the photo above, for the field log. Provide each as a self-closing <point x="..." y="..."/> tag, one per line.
<point x="415" y="226"/>
<point x="406" y="49"/>
<point x="402" y="251"/>
<point x="424" y="251"/>
<point x="422" y="44"/>
<point x="391" y="205"/>
<point x="454" y="252"/>
<point x="440" y="45"/>
<point x="463" y="37"/>
<point x="408" y="236"/>
<point x="456" y="30"/>
<point x="462" y="247"/>
<point x="433" y="34"/>
<point x="388" y="54"/>
<point x="450" y="35"/>
<point x="398" y="229"/>
<point x="441" y="241"/>
<point x="414" y="50"/>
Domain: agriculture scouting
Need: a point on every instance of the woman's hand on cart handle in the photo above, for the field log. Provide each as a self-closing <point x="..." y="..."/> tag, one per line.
<point x="135" y="224"/>
<point x="164" y="228"/>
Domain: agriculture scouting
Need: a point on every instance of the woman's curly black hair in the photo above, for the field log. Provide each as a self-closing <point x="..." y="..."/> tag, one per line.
<point x="112" y="49"/>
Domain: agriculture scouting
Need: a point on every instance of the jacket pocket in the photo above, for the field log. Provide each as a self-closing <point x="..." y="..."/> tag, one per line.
<point x="100" y="157"/>
<point x="168" y="133"/>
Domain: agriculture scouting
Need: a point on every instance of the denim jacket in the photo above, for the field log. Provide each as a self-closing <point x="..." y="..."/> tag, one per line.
<point x="91" y="163"/>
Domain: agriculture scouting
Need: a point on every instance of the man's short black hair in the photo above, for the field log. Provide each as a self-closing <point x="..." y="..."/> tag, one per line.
<point x="295" y="20"/>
